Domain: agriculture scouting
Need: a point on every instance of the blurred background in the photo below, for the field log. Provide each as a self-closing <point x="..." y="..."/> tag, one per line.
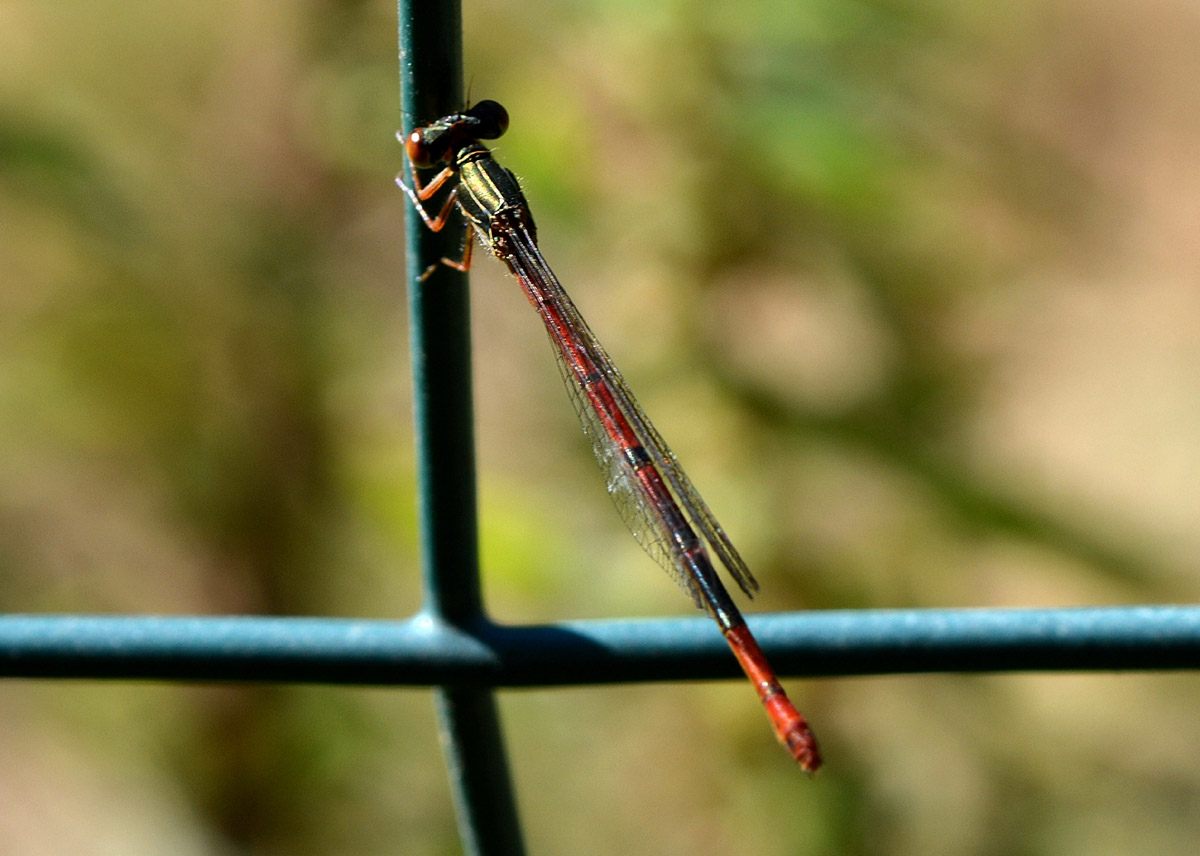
<point x="911" y="288"/>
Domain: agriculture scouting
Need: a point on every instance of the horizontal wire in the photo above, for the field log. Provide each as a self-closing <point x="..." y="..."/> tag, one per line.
<point x="425" y="651"/>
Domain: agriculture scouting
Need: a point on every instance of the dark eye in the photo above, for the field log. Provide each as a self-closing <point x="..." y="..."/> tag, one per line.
<point x="418" y="151"/>
<point x="492" y="118"/>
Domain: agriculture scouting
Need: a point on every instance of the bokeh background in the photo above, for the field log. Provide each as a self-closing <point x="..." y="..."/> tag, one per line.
<point x="911" y="287"/>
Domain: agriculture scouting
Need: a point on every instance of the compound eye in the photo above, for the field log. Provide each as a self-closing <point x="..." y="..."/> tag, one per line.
<point x="492" y="118"/>
<point x="418" y="150"/>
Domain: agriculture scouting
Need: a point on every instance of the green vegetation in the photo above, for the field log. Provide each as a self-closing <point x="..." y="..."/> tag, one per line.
<point x="909" y="288"/>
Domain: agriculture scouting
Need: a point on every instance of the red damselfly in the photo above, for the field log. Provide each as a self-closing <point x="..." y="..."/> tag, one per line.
<point x="655" y="497"/>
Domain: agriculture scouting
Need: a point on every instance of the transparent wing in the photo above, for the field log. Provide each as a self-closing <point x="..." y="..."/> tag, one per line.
<point x="644" y="522"/>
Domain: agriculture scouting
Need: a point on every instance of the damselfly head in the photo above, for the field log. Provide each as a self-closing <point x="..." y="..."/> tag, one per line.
<point x="442" y="140"/>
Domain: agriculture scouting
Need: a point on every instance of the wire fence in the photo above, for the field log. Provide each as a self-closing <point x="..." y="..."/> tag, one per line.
<point x="452" y="647"/>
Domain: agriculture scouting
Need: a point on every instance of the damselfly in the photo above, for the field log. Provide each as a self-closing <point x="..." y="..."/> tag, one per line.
<point x="654" y="495"/>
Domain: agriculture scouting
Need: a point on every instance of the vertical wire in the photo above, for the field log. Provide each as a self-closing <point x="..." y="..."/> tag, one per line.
<point x="431" y="86"/>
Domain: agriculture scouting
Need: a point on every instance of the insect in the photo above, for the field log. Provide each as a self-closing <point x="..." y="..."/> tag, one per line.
<point x="655" y="497"/>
